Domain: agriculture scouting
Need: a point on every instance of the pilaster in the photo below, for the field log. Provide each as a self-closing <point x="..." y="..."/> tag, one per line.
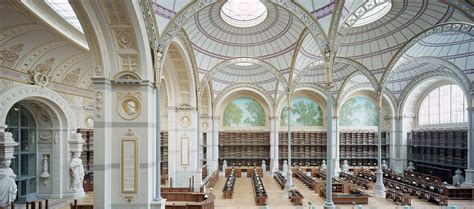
<point x="469" y="182"/>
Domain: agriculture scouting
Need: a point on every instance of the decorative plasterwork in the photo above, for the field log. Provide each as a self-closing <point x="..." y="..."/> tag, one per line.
<point x="129" y="104"/>
<point x="19" y="93"/>
<point x="72" y="77"/>
<point x="11" y="32"/>
<point x="457" y="27"/>
<point x="9" y="56"/>
<point x="99" y="102"/>
<point x="40" y="74"/>
<point x="126" y="77"/>
<point x="33" y="55"/>
<point x="123" y="34"/>
<point x="63" y="67"/>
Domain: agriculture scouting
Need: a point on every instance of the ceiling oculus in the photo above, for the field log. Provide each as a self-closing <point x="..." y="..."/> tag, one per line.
<point x="243" y="13"/>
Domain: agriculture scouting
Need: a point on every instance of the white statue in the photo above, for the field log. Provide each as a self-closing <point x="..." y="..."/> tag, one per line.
<point x="285" y="167"/>
<point x="77" y="172"/>
<point x="323" y="165"/>
<point x="8" y="187"/>
<point x="384" y="165"/>
<point x="264" y="166"/>
<point x="458" y="179"/>
<point x="411" y="166"/>
<point x="345" y="167"/>
<point x="224" y="165"/>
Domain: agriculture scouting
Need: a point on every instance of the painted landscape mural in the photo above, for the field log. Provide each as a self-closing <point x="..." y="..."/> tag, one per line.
<point x="304" y="112"/>
<point x="244" y="111"/>
<point x="359" y="111"/>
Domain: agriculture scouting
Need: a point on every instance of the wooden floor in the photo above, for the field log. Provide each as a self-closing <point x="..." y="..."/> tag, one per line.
<point x="277" y="199"/>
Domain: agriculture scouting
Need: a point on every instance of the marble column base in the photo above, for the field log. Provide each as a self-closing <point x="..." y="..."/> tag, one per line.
<point x="158" y="204"/>
<point x="289" y="182"/>
<point x="198" y="180"/>
<point x="379" y="188"/>
<point x="329" y="205"/>
<point x="469" y="180"/>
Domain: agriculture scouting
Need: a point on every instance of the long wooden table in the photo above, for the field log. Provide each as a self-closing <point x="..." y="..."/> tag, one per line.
<point x="259" y="190"/>
<point x="188" y="200"/>
<point x="239" y="170"/>
<point x="347" y="198"/>
<point x="228" y="189"/>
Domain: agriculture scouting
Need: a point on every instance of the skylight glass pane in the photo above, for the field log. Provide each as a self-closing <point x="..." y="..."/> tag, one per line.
<point x="64" y="9"/>
<point x="373" y="14"/>
<point x="243" y="13"/>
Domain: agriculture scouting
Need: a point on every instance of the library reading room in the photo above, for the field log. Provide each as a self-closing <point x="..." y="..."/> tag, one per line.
<point x="237" y="104"/>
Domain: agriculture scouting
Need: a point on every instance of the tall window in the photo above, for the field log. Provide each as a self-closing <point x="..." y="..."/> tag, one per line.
<point x="444" y="105"/>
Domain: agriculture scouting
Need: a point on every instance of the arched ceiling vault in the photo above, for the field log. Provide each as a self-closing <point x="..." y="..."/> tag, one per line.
<point x="27" y="47"/>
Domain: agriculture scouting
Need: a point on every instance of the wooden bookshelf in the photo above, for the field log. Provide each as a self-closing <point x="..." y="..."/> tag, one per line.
<point x="244" y="148"/>
<point x="307" y="148"/>
<point x="87" y="157"/>
<point x="164" y="153"/>
<point x="204" y="149"/>
<point x="361" y="147"/>
<point x="438" y="152"/>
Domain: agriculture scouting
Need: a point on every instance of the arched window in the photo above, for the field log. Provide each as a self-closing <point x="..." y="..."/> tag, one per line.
<point x="443" y="105"/>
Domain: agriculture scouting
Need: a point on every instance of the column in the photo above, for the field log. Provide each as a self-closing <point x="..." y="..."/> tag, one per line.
<point x="7" y="177"/>
<point x="336" y="146"/>
<point x="274" y="143"/>
<point x="198" y="173"/>
<point x="396" y="140"/>
<point x="102" y="151"/>
<point x="379" y="189"/>
<point x="215" y="143"/>
<point x="289" y="181"/>
<point x="470" y="154"/>
<point x="329" y="204"/>
<point x="157" y="196"/>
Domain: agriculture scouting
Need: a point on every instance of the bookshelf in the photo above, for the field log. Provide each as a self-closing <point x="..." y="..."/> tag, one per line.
<point x="204" y="149"/>
<point x="438" y="152"/>
<point x="244" y="148"/>
<point x="360" y="147"/>
<point x="87" y="157"/>
<point x="307" y="148"/>
<point x="164" y="153"/>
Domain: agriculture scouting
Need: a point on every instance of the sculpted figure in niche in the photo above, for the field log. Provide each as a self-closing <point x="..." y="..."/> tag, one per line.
<point x="8" y="187"/>
<point x="77" y="172"/>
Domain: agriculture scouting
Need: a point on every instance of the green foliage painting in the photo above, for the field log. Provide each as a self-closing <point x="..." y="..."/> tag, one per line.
<point x="304" y="112"/>
<point x="244" y="111"/>
<point x="359" y="111"/>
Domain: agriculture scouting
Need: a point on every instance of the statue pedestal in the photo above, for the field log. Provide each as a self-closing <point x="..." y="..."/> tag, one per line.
<point x="158" y="204"/>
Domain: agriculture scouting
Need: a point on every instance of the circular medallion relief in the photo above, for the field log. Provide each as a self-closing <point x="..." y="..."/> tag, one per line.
<point x="185" y="120"/>
<point x="129" y="108"/>
<point x="204" y="125"/>
<point x="89" y="121"/>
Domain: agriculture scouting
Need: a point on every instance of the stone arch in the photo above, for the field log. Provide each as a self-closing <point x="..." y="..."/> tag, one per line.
<point x="317" y="95"/>
<point x="43" y="95"/>
<point x="179" y="76"/>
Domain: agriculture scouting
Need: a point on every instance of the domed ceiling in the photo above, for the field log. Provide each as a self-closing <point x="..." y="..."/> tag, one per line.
<point x="273" y="40"/>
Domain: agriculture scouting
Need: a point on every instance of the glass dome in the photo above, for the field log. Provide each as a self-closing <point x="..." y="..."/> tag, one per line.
<point x="243" y="13"/>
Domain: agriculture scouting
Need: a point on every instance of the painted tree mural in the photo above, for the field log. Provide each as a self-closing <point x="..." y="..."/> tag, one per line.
<point x="304" y="112"/>
<point x="244" y="111"/>
<point x="359" y="111"/>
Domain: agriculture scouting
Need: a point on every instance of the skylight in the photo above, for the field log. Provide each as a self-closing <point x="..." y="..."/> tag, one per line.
<point x="377" y="12"/>
<point x="64" y="9"/>
<point x="243" y="13"/>
<point x="244" y="64"/>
